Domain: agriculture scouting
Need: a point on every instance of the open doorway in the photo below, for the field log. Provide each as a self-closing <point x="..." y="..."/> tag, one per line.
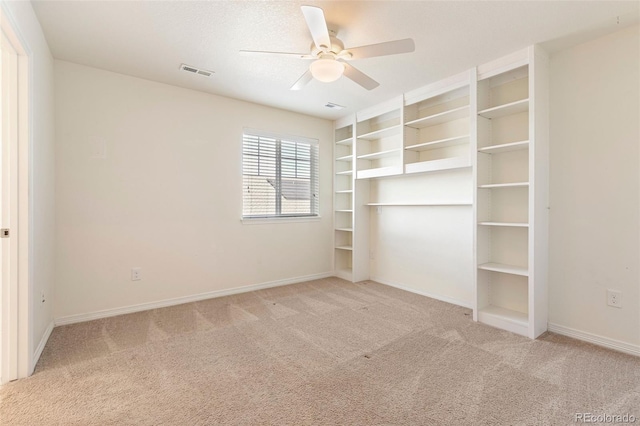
<point x="14" y="210"/>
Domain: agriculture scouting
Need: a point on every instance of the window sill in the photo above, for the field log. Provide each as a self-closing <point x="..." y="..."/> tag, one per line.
<point x="262" y="220"/>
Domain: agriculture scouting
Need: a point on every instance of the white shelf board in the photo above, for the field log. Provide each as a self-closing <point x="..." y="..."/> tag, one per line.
<point x="505" y="147"/>
<point x="438" y="165"/>
<point x="345" y="229"/>
<point x="506" y="109"/>
<point x="344" y="248"/>
<point x="379" y="172"/>
<point x="344" y="211"/>
<point x="512" y="224"/>
<point x="381" y="154"/>
<point x="432" y="120"/>
<point x="382" y="133"/>
<point x="345" y="173"/>
<point x="505" y="185"/>
<point x="506" y="319"/>
<point x="443" y="203"/>
<point x="344" y="273"/>
<point x="345" y="191"/>
<point x="442" y="143"/>
<point x="505" y="269"/>
<point x="345" y="158"/>
<point x="346" y="141"/>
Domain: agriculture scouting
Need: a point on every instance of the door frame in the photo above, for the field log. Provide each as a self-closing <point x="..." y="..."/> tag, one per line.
<point x="17" y="358"/>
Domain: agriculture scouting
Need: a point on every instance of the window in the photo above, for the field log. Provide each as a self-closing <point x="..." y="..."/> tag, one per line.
<point x="280" y="176"/>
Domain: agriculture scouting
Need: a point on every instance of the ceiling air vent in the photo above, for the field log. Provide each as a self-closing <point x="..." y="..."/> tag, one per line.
<point x="333" y="106"/>
<point x="194" y="70"/>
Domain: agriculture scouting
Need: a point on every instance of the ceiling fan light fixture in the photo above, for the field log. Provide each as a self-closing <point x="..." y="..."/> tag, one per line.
<point x="326" y="70"/>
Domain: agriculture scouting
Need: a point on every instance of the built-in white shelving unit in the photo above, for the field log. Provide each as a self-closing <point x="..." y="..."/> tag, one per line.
<point x="511" y="194"/>
<point x="350" y="223"/>
<point x="488" y="127"/>
<point x="343" y="198"/>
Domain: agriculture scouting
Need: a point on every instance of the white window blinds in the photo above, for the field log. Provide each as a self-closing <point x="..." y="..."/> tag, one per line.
<point x="280" y="176"/>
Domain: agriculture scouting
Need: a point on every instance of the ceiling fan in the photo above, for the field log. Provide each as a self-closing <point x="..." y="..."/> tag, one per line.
<point x="330" y="58"/>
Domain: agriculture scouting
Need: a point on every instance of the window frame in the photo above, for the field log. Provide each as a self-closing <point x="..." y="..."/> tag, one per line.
<point x="314" y="180"/>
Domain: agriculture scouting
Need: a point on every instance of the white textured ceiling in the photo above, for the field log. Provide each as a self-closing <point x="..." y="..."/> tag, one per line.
<point x="150" y="39"/>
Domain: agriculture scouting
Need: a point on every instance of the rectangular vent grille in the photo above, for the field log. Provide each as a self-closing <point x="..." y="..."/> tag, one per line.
<point x="333" y="106"/>
<point x="194" y="70"/>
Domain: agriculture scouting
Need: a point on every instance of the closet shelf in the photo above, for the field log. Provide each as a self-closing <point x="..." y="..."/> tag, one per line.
<point x="345" y="158"/>
<point x="344" y="211"/>
<point x="345" y="173"/>
<point x="434" y="204"/>
<point x="377" y="155"/>
<point x="344" y="248"/>
<point x="505" y="269"/>
<point x="506" y="319"/>
<point x="344" y="273"/>
<point x="345" y="191"/>
<point x="505" y="147"/>
<point x="379" y="172"/>
<point x="438" y="165"/>
<point x="345" y="229"/>
<point x="432" y="120"/>
<point x="441" y="143"/>
<point x="512" y="224"/>
<point x="346" y="141"/>
<point x="505" y="185"/>
<point x="381" y="133"/>
<point x="505" y="109"/>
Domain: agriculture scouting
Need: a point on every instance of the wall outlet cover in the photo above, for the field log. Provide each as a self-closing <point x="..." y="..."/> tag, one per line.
<point x="136" y="274"/>
<point x="614" y="298"/>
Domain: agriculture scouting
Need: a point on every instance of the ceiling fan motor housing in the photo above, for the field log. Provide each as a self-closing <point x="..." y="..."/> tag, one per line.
<point x="336" y="47"/>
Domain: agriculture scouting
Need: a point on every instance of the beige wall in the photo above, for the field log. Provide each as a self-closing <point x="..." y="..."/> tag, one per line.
<point x="428" y="250"/>
<point x="594" y="186"/>
<point x="168" y="196"/>
<point x="42" y="211"/>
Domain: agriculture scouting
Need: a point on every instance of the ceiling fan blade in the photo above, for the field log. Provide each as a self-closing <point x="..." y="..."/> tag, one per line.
<point x="359" y="77"/>
<point x="302" y="81"/>
<point x="264" y="52"/>
<point x="318" y="26"/>
<point x="381" y="49"/>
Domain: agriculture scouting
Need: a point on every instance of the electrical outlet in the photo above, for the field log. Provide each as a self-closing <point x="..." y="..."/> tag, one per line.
<point x="42" y="296"/>
<point x="136" y="274"/>
<point x="614" y="298"/>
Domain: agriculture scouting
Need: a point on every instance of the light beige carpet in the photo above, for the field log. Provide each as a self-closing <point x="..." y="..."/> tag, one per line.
<point x="325" y="352"/>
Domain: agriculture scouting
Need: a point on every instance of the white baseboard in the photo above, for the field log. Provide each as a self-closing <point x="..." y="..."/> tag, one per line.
<point x="606" y="342"/>
<point x="72" y="319"/>
<point x="40" y="348"/>
<point x="422" y="293"/>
